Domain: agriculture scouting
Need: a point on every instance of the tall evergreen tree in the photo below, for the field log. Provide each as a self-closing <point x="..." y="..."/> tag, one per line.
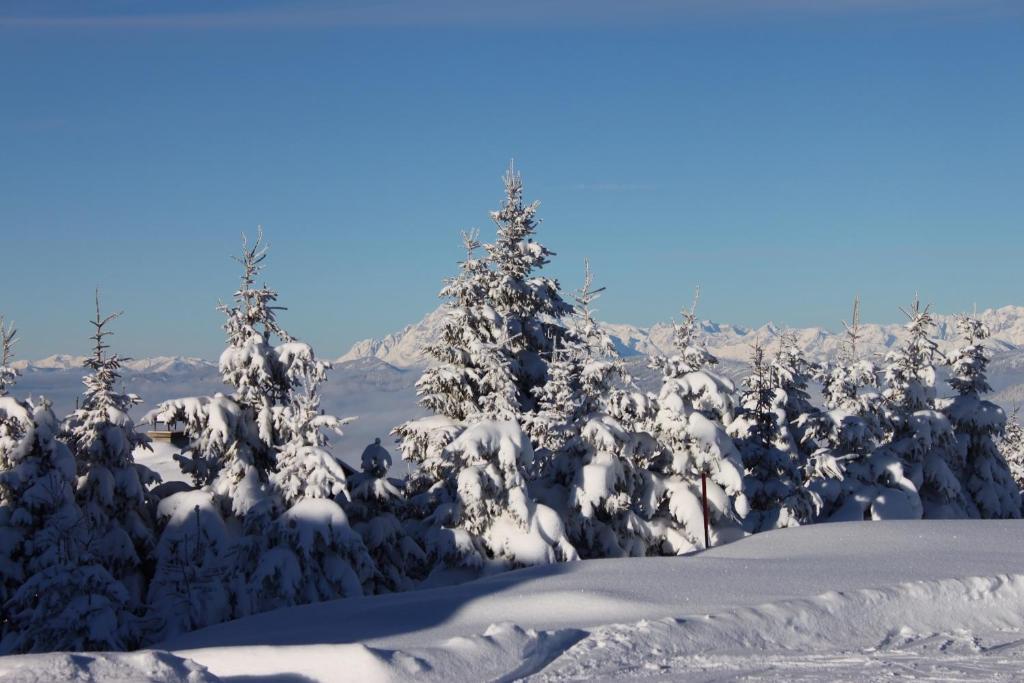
<point x="851" y="483"/>
<point x="983" y="472"/>
<point x="693" y="406"/>
<point x="773" y="398"/>
<point x="112" y="488"/>
<point x="591" y="468"/>
<point x="503" y="325"/>
<point x="311" y="553"/>
<point x="55" y="594"/>
<point x="921" y="453"/>
<point x="1011" y="445"/>
<point x="259" y="456"/>
<point x="529" y="304"/>
<point x="234" y="439"/>
<point x="471" y="374"/>
<point x="8" y="338"/>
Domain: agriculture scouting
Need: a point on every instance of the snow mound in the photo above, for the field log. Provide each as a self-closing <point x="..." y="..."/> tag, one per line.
<point x="112" y="667"/>
<point x="833" y="624"/>
<point x="938" y="600"/>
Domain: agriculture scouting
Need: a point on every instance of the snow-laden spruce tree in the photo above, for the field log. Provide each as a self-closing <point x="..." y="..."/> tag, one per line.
<point x="8" y="373"/>
<point x="235" y="439"/>
<point x="488" y="519"/>
<point x="773" y="401"/>
<point x="471" y="371"/>
<point x="850" y="483"/>
<point x="983" y="472"/>
<point x="55" y="595"/>
<point x="111" y="487"/>
<point x="921" y="456"/>
<point x="195" y="581"/>
<point x="590" y="459"/>
<point x="311" y="552"/>
<point x="376" y="509"/>
<point x="530" y="304"/>
<point x="848" y="381"/>
<point x="693" y="406"/>
<point x="467" y="495"/>
<point x="233" y="453"/>
<point x="1011" y="445"/>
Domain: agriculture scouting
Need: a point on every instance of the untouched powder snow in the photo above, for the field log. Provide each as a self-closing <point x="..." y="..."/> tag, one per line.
<point x="851" y="601"/>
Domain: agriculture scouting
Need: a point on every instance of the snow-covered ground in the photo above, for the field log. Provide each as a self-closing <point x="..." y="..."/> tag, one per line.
<point x="921" y="600"/>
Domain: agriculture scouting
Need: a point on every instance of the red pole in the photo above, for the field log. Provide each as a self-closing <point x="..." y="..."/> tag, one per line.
<point x="704" y="499"/>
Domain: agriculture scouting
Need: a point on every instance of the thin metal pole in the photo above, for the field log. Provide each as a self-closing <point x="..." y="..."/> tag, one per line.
<point x="704" y="499"/>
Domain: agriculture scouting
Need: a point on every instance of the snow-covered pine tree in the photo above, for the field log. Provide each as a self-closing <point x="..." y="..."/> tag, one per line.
<point x="233" y="453"/>
<point x="845" y="378"/>
<point x="590" y="459"/>
<point x="983" y="472"/>
<point x="842" y="472"/>
<point x="55" y="596"/>
<point x="1011" y="445"/>
<point x="311" y="553"/>
<point x="8" y="373"/>
<point x="693" y="406"/>
<point x="194" y="580"/>
<point x="470" y="510"/>
<point x="305" y="469"/>
<point x="468" y="491"/>
<point x="921" y="454"/>
<point x="376" y="508"/>
<point x="471" y="371"/>
<point x="773" y="398"/>
<point x="112" y="489"/>
<point x="234" y="439"/>
<point x="529" y="305"/>
<point x="691" y="355"/>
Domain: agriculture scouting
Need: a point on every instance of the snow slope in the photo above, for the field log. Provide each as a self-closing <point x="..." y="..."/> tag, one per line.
<point x="855" y="601"/>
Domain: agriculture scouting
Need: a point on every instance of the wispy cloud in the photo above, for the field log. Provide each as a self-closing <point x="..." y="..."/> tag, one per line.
<point x="615" y="187"/>
<point x="539" y="13"/>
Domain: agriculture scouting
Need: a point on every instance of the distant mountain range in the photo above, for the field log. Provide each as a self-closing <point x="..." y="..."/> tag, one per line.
<point x="729" y="342"/>
<point x="159" y="364"/>
<point x="375" y="379"/>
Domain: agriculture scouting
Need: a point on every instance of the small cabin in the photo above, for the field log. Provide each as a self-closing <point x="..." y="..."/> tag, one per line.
<point x="168" y="434"/>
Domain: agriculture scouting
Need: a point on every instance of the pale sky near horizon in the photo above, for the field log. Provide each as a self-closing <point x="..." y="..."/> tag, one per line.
<point x="784" y="154"/>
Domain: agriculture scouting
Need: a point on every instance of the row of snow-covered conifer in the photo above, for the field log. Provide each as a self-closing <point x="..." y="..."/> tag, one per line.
<point x="540" y="449"/>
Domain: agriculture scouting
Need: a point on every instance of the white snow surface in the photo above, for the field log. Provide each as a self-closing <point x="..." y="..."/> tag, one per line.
<point x="931" y="600"/>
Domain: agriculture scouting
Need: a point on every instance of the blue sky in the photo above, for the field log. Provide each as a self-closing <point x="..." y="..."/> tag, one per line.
<point x="784" y="154"/>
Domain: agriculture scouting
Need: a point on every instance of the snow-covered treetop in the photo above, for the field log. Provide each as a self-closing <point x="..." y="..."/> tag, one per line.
<point x="17" y="431"/>
<point x="247" y="363"/>
<point x="514" y="251"/>
<point x="585" y="326"/>
<point x="469" y="287"/>
<point x="691" y="354"/>
<point x="969" y="363"/>
<point x="103" y="406"/>
<point x="8" y="338"/>
<point x="515" y="256"/>
<point x="853" y="334"/>
<point x="791" y="372"/>
<point x="909" y="370"/>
